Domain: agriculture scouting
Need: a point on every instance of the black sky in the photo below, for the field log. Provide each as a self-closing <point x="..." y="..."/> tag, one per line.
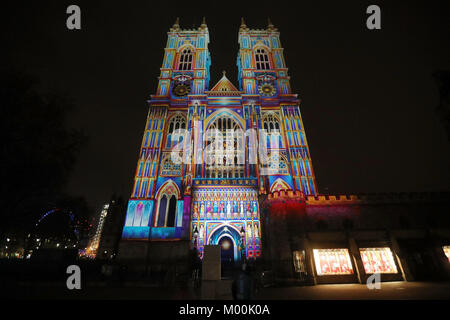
<point x="368" y="97"/>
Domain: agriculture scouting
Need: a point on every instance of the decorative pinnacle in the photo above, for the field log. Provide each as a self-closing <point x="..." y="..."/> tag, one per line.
<point x="224" y="73"/>
<point x="176" y="25"/>
<point x="270" y="25"/>
<point x="243" y="25"/>
<point x="203" y="26"/>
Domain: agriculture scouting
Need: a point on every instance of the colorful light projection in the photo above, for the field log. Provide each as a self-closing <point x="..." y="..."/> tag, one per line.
<point x="137" y="219"/>
<point x="332" y="262"/>
<point x="225" y="204"/>
<point x="237" y="207"/>
<point x="378" y="260"/>
<point x="447" y="251"/>
<point x="224" y="195"/>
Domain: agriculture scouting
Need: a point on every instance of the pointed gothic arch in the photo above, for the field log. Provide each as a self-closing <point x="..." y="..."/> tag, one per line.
<point x="176" y="121"/>
<point x="185" y="57"/>
<point x="231" y="231"/>
<point x="279" y="185"/>
<point x="167" y="197"/>
<point x="262" y="56"/>
<point x="224" y="112"/>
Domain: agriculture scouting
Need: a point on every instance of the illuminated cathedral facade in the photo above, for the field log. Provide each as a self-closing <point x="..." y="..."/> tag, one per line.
<point x="210" y="153"/>
<point x="230" y="166"/>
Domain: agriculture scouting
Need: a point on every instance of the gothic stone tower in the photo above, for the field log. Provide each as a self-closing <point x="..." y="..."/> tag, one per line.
<point x="208" y="154"/>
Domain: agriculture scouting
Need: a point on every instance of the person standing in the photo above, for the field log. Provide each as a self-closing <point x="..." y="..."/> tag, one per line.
<point x="243" y="284"/>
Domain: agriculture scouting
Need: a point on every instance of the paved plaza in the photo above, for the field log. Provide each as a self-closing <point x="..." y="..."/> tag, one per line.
<point x="398" y="290"/>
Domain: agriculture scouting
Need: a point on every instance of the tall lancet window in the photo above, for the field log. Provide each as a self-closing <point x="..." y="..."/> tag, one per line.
<point x="167" y="207"/>
<point x="170" y="219"/>
<point x="185" y="60"/>
<point x="262" y="59"/>
<point x="272" y="127"/>
<point x="162" y="211"/>
<point x="176" y="123"/>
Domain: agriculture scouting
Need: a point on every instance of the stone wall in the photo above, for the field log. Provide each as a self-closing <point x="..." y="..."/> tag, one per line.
<point x="410" y="224"/>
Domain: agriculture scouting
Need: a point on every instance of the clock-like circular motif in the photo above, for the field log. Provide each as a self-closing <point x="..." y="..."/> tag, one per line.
<point x="181" y="90"/>
<point x="266" y="90"/>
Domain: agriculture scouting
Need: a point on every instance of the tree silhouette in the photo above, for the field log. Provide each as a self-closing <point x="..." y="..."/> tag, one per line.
<point x="442" y="77"/>
<point x="38" y="150"/>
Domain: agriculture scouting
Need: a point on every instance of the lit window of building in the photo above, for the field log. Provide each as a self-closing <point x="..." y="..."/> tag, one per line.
<point x="447" y="252"/>
<point x="332" y="262"/>
<point x="378" y="260"/>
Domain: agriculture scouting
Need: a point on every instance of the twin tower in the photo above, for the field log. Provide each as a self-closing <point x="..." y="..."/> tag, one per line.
<point x="209" y="154"/>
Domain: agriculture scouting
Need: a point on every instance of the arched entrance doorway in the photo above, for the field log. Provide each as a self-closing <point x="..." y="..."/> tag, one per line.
<point x="228" y="238"/>
<point x="227" y="251"/>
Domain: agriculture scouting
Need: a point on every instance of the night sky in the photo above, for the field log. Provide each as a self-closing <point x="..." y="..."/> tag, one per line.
<point x="368" y="97"/>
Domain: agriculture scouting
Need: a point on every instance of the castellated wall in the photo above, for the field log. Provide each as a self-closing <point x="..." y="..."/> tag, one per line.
<point x="384" y="211"/>
<point x="404" y="222"/>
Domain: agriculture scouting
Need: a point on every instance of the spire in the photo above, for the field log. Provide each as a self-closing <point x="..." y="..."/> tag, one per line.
<point x="224" y="73"/>
<point x="243" y="25"/>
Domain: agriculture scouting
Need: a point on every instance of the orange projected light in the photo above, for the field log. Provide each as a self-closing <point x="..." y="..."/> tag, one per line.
<point x="332" y="262"/>
<point x="378" y="260"/>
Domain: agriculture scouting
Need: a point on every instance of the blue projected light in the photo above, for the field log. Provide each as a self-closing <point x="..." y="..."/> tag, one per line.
<point x="135" y="232"/>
